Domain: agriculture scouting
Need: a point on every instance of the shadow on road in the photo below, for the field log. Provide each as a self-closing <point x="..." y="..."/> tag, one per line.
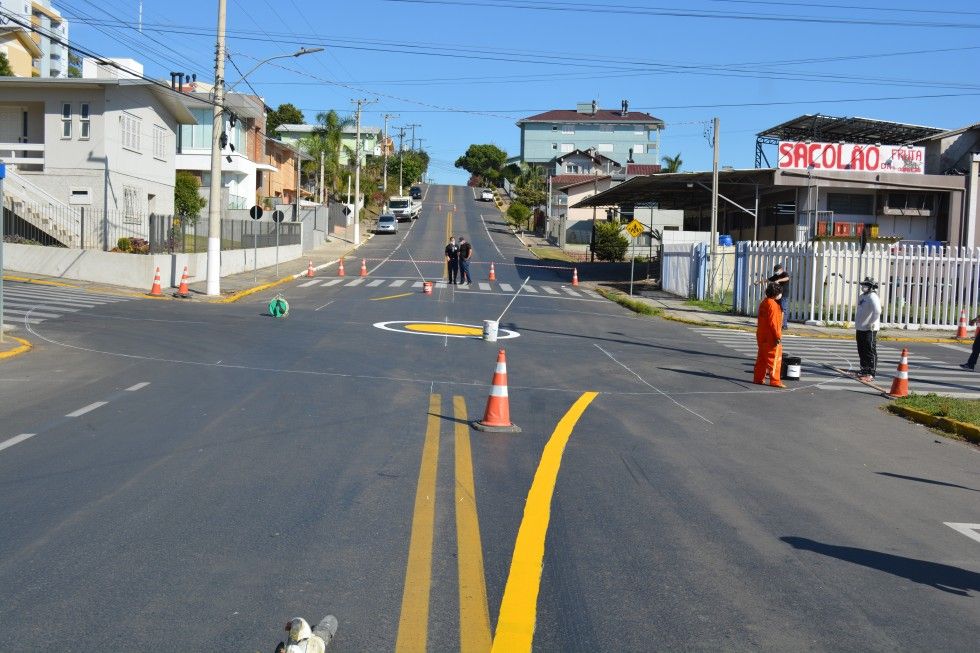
<point x="943" y="577"/>
<point x="926" y="480"/>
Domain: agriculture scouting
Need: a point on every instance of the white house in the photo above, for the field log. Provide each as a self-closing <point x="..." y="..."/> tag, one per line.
<point x="104" y="144"/>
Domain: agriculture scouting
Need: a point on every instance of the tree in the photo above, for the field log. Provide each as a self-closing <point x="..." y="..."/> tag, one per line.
<point x="187" y="201"/>
<point x="530" y="186"/>
<point x="5" y="69"/>
<point x="672" y="163"/>
<point x="414" y="165"/>
<point x="610" y="243"/>
<point x="74" y="64"/>
<point x="485" y="160"/>
<point x="518" y="213"/>
<point x="328" y="139"/>
<point x="286" y="114"/>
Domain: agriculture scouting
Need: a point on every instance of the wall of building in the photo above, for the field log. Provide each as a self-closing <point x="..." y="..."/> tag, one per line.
<point x="542" y="142"/>
<point x="20" y="59"/>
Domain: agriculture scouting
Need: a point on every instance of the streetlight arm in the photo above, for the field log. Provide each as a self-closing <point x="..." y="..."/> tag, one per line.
<point x="298" y="53"/>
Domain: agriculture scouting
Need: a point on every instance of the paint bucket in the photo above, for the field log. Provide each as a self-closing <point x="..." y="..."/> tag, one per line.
<point x="427" y="287"/>
<point x="791" y="367"/>
<point x="490" y="330"/>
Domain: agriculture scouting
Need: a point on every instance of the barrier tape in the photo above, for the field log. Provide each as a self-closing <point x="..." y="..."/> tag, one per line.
<point x="442" y="262"/>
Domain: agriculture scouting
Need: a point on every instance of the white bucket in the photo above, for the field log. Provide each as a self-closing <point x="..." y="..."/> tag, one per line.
<point x="490" y="330"/>
<point x="793" y="372"/>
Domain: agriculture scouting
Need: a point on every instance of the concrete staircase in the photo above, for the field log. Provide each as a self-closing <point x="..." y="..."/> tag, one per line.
<point x="40" y="209"/>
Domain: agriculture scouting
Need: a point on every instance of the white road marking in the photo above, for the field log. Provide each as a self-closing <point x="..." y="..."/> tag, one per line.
<point x="571" y="292"/>
<point x="417" y="284"/>
<point x="12" y="311"/>
<point x="355" y="282"/>
<point x="955" y="347"/>
<point x="324" y="306"/>
<point x="43" y="306"/>
<point x="87" y="409"/>
<point x="531" y="289"/>
<point x="484" y="285"/>
<point x="397" y="282"/>
<point x="138" y="386"/>
<point x="17" y="439"/>
<point x="376" y="282"/>
<point x="550" y="291"/>
<point x="506" y="287"/>
<point x="332" y="282"/>
<point x="440" y="284"/>
<point x="972" y="531"/>
<point x="489" y="236"/>
<point x="309" y="283"/>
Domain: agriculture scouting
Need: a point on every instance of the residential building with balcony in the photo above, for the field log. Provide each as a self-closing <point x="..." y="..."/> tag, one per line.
<point x="51" y="37"/>
<point x="371" y="140"/>
<point x="19" y="46"/>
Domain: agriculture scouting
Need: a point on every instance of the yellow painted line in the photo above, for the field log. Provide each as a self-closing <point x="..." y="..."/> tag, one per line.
<point x="445" y="329"/>
<point x="250" y="291"/>
<point x="404" y="294"/>
<point x="413" y="626"/>
<point x="40" y="282"/>
<point x="474" y="615"/>
<point x="518" y="610"/>
<point x="24" y="347"/>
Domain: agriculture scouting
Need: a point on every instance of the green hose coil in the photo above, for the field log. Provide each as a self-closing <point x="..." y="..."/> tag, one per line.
<point x="279" y="307"/>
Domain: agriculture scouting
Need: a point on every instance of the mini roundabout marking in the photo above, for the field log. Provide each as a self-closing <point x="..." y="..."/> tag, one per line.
<point x="441" y="329"/>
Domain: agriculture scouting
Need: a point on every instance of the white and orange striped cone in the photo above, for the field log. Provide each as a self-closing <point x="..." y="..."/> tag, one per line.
<point x="155" y="288"/>
<point x="496" y="417"/>
<point x="363" y="267"/>
<point x="900" y="383"/>
<point x="183" y="292"/>
<point x="493" y="272"/>
<point x="309" y="269"/>
<point x="574" y="276"/>
<point x="340" y="269"/>
<point x="961" y="331"/>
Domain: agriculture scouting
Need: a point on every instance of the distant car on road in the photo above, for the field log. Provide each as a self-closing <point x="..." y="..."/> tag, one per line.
<point x="416" y="192"/>
<point x="387" y="224"/>
<point x="486" y="196"/>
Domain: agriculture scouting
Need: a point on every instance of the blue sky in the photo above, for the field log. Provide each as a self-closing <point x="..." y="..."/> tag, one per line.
<point x="467" y="70"/>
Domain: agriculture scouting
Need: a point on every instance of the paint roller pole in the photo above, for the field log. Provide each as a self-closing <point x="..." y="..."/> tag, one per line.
<point x="507" y="307"/>
<point x="412" y="259"/>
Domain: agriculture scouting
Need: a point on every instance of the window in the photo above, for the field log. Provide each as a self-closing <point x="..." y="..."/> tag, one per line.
<point x="850" y="204"/>
<point x="573" y="168"/>
<point x="131" y="126"/>
<point x="132" y="209"/>
<point x="554" y="128"/>
<point x="568" y="128"/>
<point x="638" y="129"/>
<point x="159" y="143"/>
<point x="604" y="147"/>
<point x="606" y="128"/>
<point x="84" y="121"/>
<point x="639" y="148"/>
<point x="554" y="146"/>
<point x="908" y="201"/>
<point x="567" y="147"/>
<point x="66" y="120"/>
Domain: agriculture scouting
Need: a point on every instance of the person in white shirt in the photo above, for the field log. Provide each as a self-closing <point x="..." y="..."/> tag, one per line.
<point x="867" y="322"/>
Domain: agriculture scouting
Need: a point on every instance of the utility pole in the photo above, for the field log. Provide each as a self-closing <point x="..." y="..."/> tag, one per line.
<point x="714" y="209"/>
<point x="384" y="172"/>
<point x="595" y="191"/>
<point x="357" y="174"/>
<point x="401" y="148"/>
<point x="214" y="191"/>
<point x="322" y="195"/>
<point x="299" y="179"/>
<point x="412" y="127"/>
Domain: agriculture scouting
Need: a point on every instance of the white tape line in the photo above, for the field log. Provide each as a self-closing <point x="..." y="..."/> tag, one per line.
<point x="87" y="409"/>
<point x="17" y="439"/>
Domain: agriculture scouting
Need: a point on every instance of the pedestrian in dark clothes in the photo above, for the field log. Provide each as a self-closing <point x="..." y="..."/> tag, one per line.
<point x="971" y="362"/>
<point x="452" y="259"/>
<point x="465" y="252"/>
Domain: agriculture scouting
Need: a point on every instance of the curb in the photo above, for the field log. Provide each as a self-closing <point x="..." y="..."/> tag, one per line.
<point x="25" y="347"/>
<point x="969" y="432"/>
<point x="40" y="282"/>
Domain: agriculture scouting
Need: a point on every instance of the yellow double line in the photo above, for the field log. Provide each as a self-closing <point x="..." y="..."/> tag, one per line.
<point x="474" y="615"/>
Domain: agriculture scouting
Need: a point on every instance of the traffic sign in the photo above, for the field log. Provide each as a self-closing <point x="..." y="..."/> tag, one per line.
<point x="278" y="216"/>
<point x="255" y="212"/>
<point x="634" y="228"/>
<point x="346" y="210"/>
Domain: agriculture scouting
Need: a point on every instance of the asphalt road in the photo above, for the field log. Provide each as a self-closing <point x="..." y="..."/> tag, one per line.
<point x="244" y="470"/>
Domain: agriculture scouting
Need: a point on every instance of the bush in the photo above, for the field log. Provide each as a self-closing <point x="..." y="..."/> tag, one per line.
<point x="518" y="213"/>
<point x="610" y="243"/>
<point x="132" y="245"/>
<point x="123" y="245"/>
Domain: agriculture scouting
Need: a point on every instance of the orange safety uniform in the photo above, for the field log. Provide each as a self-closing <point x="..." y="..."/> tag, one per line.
<point x="768" y="335"/>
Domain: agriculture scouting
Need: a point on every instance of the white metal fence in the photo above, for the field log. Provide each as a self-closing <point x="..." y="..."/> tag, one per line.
<point x="679" y="269"/>
<point x="919" y="286"/>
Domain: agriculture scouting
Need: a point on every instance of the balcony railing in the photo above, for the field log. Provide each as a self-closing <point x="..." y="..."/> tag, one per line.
<point x="23" y="155"/>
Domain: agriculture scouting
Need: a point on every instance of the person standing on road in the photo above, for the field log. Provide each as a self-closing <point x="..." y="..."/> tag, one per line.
<point x="867" y="322"/>
<point x="452" y="259"/>
<point x="768" y="337"/>
<point x="781" y="277"/>
<point x="971" y="362"/>
<point x="465" y="252"/>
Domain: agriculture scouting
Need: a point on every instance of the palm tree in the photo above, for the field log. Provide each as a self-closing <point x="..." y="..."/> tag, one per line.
<point x="672" y="163"/>
<point x="327" y="138"/>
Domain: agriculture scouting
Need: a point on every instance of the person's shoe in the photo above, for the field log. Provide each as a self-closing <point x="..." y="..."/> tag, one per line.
<point x="777" y="385"/>
<point x="966" y="367"/>
<point x="758" y="382"/>
<point x="864" y="377"/>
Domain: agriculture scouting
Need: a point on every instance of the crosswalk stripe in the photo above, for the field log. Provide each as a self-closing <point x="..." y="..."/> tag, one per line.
<point x="67" y="294"/>
<point x="506" y="287"/>
<point x="397" y="282"/>
<point x="17" y="304"/>
<point x="531" y="289"/>
<point x="309" y="283"/>
<point x="440" y="284"/>
<point x="32" y="312"/>
<point x="376" y="282"/>
<point x="571" y="292"/>
<point x="484" y="285"/>
<point x="42" y="297"/>
<point x="550" y="291"/>
<point x="417" y="284"/>
<point x="332" y="282"/>
<point x="354" y="282"/>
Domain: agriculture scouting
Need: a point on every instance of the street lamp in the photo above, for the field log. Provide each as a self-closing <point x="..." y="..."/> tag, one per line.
<point x="217" y="128"/>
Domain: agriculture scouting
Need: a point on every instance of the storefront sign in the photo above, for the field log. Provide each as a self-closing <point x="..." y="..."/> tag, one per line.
<point x="799" y="155"/>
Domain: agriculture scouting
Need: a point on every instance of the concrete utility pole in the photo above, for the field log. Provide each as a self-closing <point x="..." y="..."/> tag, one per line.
<point x="401" y="148"/>
<point x="384" y="172"/>
<point x="214" y="191"/>
<point x="357" y="173"/>
<point x="322" y="194"/>
<point x="299" y="179"/>
<point x="412" y="127"/>
<point x="714" y="209"/>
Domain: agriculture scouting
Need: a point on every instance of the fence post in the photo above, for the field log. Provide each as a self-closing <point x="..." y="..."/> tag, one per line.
<point x="813" y="284"/>
<point x="737" y="290"/>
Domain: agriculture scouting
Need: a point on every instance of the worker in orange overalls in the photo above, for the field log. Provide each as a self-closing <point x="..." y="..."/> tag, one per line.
<point x="768" y="335"/>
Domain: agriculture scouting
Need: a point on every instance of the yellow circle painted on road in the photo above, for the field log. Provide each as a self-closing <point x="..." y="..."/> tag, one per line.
<point x="444" y="329"/>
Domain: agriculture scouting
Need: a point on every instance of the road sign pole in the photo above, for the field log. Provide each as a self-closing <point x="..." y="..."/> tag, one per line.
<point x="277" y="250"/>
<point x="3" y="233"/>
<point x="255" y="255"/>
<point x="632" y="266"/>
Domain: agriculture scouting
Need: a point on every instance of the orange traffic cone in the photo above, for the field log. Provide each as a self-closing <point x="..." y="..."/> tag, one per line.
<point x="961" y="331"/>
<point x="340" y="269"/>
<point x="900" y="383"/>
<point x="493" y="272"/>
<point x="183" y="291"/>
<point x="363" y="267"/>
<point x="574" y="276"/>
<point x="309" y="269"/>
<point x="155" y="288"/>
<point x="496" y="417"/>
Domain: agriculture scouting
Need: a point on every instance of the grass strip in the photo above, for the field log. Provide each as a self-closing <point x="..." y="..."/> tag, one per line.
<point x="710" y="305"/>
<point x="552" y="254"/>
<point x="960" y="417"/>
<point x="626" y="301"/>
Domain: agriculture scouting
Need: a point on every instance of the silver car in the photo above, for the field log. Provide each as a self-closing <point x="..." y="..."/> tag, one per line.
<point x="387" y="224"/>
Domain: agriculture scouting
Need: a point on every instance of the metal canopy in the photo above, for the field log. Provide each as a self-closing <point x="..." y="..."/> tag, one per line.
<point x="677" y="189"/>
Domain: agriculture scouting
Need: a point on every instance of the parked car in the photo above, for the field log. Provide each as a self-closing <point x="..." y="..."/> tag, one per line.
<point x="486" y="196"/>
<point x="387" y="224"/>
<point x="416" y="192"/>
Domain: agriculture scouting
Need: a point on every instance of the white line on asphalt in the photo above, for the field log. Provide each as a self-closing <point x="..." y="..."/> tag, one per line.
<point x="308" y="283"/>
<point x="87" y="409"/>
<point x="332" y="282"/>
<point x="440" y="284"/>
<point x="571" y="292"/>
<point x="490" y="237"/>
<point x="138" y="386"/>
<point x="375" y="282"/>
<point x="12" y="311"/>
<point x="397" y="247"/>
<point x="550" y="291"/>
<point x="954" y="347"/>
<point x="484" y="285"/>
<point x="417" y="284"/>
<point x="355" y="282"/>
<point x="325" y="305"/>
<point x="506" y="287"/>
<point x="397" y="282"/>
<point x="531" y="289"/>
<point x="651" y="386"/>
<point x="16" y="440"/>
<point x="972" y="531"/>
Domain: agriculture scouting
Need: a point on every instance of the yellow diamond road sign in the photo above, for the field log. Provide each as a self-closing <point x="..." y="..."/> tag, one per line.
<point x="634" y="228"/>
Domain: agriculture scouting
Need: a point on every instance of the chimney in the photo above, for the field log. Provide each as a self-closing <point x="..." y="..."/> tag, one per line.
<point x="626" y="107"/>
